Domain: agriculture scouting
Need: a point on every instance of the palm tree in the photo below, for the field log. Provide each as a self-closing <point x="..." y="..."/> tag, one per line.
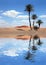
<point x="34" y="16"/>
<point x="29" y="8"/>
<point x="39" y="22"/>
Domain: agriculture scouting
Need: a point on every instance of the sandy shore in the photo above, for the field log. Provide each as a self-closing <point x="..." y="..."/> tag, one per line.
<point x="14" y="33"/>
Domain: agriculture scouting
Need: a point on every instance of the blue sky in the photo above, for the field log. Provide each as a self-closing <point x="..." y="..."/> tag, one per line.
<point x="12" y="12"/>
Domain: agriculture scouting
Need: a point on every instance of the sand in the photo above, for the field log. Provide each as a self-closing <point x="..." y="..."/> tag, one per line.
<point x="22" y="33"/>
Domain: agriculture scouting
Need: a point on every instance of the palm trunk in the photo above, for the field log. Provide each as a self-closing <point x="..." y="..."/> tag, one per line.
<point x="33" y="24"/>
<point x="30" y="21"/>
<point x="39" y="25"/>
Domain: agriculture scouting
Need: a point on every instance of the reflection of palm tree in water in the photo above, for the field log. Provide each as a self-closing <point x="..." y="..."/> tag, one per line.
<point x="31" y="54"/>
<point x="30" y="43"/>
<point x="34" y="48"/>
<point x="39" y="42"/>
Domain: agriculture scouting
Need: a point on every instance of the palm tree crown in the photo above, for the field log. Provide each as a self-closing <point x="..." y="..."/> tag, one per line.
<point x="29" y="8"/>
<point x="39" y="22"/>
<point x="34" y="16"/>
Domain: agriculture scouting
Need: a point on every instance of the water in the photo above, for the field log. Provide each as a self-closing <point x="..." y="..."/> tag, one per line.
<point x="22" y="52"/>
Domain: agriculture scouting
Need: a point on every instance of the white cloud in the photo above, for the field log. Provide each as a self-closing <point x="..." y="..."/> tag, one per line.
<point x="10" y="52"/>
<point x="14" y="23"/>
<point x="22" y="17"/>
<point x="14" y="51"/>
<point x="19" y="23"/>
<point x="11" y="13"/>
<point x="10" y="47"/>
<point x="5" y="24"/>
<point x="42" y="16"/>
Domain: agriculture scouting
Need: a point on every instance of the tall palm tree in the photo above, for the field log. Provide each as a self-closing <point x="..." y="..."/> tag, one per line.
<point x="34" y="16"/>
<point x="29" y="8"/>
<point x="39" y="22"/>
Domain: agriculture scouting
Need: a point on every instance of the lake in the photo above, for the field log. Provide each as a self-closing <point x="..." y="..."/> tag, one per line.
<point x="30" y="51"/>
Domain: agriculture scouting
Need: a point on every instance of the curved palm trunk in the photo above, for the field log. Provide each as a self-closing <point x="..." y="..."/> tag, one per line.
<point x="30" y="21"/>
